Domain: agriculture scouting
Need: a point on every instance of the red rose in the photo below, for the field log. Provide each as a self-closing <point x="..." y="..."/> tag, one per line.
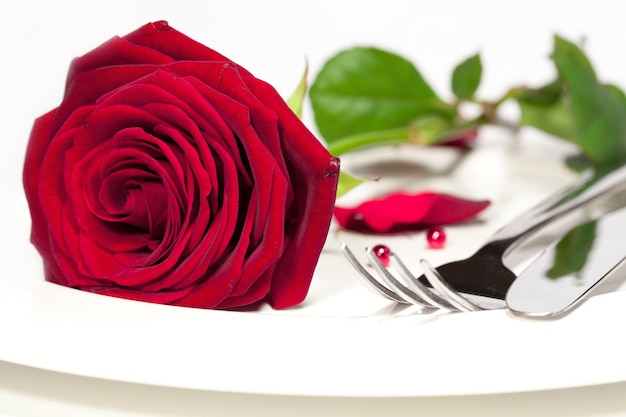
<point x="170" y="174"/>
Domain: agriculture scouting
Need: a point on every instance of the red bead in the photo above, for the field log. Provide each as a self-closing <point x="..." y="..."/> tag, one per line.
<point x="436" y="237"/>
<point x="383" y="253"/>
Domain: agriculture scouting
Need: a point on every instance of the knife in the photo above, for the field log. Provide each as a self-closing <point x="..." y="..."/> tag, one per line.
<point x="535" y="294"/>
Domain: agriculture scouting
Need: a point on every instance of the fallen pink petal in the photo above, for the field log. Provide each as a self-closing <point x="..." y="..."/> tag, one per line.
<point x="401" y="211"/>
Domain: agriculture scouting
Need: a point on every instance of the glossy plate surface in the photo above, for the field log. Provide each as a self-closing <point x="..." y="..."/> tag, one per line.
<point x="344" y="340"/>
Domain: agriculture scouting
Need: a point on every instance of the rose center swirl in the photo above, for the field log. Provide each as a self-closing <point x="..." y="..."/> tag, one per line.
<point x="142" y="186"/>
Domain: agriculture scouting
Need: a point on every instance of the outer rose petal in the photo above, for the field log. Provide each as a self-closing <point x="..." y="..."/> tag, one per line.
<point x="314" y="175"/>
<point x="406" y="211"/>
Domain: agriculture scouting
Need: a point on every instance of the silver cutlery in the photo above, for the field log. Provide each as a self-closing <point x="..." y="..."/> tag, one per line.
<point x="482" y="281"/>
<point x="536" y="293"/>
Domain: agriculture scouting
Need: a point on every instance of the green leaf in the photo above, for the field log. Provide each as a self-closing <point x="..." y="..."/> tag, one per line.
<point x="547" y="94"/>
<point x="572" y="251"/>
<point x="554" y="118"/>
<point x="364" y="90"/>
<point x="297" y="98"/>
<point x="362" y="140"/>
<point x="598" y="111"/>
<point x="466" y="77"/>
<point x="429" y="129"/>
<point x="425" y="130"/>
<point x="347" y="182"/>
<point x="546" y="108"/>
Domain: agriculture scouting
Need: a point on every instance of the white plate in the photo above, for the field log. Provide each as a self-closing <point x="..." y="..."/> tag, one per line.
<point x="344" y="340"/>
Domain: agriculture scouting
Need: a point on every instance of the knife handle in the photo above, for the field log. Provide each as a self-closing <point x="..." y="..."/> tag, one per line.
<point x="590" y="196"/>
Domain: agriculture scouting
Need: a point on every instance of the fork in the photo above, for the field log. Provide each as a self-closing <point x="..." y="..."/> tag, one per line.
<point x="482" y="280"/>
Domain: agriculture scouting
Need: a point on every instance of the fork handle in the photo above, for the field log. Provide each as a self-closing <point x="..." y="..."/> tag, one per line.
<point x="594" y="193"/>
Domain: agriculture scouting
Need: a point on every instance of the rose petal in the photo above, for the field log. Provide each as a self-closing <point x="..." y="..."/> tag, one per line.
<point x="163" y="38"/>
<point x="115" y="52"/>
<point x="401" y="211"/>
<point x="313" y="174"/>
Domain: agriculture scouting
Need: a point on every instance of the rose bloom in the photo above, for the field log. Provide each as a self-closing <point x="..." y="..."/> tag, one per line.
<point x="170" y="174"/>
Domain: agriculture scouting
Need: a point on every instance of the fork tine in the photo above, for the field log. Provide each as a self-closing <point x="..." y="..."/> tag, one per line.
<point x="402" y="290"/>
<point x="419" y="288"/>
<point x="414" y="292"/>
<point x="386" y="292"/>
<point x="453" y="296"/>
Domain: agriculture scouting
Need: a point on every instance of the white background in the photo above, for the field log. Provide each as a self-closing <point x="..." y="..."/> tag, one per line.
<point x="271" y="38"/>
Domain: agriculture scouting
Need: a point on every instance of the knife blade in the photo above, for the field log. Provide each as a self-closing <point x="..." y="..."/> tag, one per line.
<point x="535" y="294"/>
